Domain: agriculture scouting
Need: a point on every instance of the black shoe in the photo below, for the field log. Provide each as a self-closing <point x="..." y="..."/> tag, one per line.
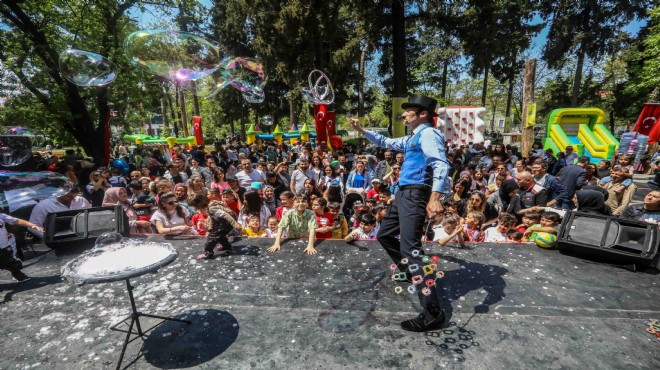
<point x="20" y="276"/>
<point x="423" y="323"/>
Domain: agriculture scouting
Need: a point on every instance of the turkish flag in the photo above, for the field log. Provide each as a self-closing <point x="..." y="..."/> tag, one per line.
<point x="197" y="129"/>
<point x="647" y="122"/>
<point x="320" y="120"/>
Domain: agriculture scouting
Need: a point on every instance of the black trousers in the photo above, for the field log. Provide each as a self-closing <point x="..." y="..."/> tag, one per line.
<point x="9" y="262"/>
<point x="406" y="217"/>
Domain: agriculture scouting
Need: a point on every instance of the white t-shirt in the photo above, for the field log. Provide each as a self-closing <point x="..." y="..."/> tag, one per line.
<point x="361" y="235"/>
<point x="246" y="179"/>
<point x="51" y="205"/>
<point x="174" y="221"/>
<point x="492" y="235"/>
<point x="441" y="234"/>
<point x="298" y="177"/>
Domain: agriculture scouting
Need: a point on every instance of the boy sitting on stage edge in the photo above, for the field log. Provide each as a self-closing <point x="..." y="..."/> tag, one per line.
<point x="301" y="222"/>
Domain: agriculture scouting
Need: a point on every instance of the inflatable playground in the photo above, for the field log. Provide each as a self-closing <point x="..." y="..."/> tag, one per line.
<point x="583" y="129"/>
<point x="253" y="135"/>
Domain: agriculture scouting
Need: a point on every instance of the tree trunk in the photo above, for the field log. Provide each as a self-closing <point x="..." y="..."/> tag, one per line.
<point x="163" y="111"/>
<point x="399" y="73"/>
<point x="509" y="97"/>
<point x="492" y="122"/>
<point x="528" y="97"/>
<point x="578" y="79"/>
<point x="443" y="88"/>
<point x="195" y="104"/>
<point x="363" y="61"/>
<point x="484" y="90"/>
<point x="172" y="114"/>
<point x="184" y="113"/>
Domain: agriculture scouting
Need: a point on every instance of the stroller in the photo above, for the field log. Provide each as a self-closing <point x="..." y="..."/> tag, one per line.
<point x="350" y="200"/>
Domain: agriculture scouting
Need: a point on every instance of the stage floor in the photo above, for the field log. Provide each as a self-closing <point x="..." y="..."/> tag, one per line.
<point x="509" y="306"/>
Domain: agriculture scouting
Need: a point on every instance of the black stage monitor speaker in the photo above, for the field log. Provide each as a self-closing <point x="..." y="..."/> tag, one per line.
<point x="618" y="240"/>
<point x="72" y="228"/>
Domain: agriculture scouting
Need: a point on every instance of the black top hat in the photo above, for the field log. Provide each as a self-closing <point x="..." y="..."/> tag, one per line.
<point x="423" y="103"/>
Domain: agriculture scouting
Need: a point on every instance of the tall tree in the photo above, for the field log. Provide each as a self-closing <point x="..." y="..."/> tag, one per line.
<point x="586" y="29"/>
<point x="33" y="35"/>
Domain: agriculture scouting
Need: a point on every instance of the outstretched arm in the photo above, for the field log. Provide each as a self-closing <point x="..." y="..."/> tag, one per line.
<point x="378" y="139"/>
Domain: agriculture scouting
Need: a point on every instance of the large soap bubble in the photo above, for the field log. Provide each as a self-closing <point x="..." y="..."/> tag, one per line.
<point x="15" y="150"/>
<point x="256" y="96"/>
<point x="178" y="56"/>
<point x="207" y="86"/>
<point x="320" y="89"/>
<point x="86" y="69"/>
<point x="246" y="74"/>
<point x="19" y="189"/>
<point x="18" y="130"/>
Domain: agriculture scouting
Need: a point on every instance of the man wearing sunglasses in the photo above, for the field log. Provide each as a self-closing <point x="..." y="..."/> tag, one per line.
<point x="422" y="182"/>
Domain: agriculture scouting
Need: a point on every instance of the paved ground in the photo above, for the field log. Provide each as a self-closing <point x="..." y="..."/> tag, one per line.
<point x="510" y="306"/>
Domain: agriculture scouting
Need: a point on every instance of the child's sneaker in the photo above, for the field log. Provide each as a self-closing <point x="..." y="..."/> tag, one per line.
<point x="205" y="256"/>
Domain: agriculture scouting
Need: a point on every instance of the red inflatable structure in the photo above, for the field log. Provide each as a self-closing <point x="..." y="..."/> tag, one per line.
<point x="647" y="123"/>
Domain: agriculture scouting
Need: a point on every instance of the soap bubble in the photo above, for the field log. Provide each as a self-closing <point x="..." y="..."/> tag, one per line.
<point x="18" y="130"/>
<point x="109" y="237"/>
<point x="15" y="149"/>
<point x="178" y="56"/>
<point x="246" y="74"/>
<point x="267" y="120"/>
<point x="256" y="96"/>
<point x="207" y="86"/>
<point x="320" y="89"/>
<point x="308" y="95"/>
<point x="86" y="69"/>
<point x="19" y="189"/>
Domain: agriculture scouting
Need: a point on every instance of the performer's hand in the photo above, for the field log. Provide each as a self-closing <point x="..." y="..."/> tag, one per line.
<point x="433" y="208"/>
<point x="355" y="123"/>
<point x="274" y="248"/>
<point x="310" y="250"/>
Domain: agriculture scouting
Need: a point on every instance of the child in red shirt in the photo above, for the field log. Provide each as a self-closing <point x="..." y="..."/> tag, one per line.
<point x="231" y="201"/>
<point x="201" y="203"/>
<point x="375" y="189"/>
<point x="324" y="218"/>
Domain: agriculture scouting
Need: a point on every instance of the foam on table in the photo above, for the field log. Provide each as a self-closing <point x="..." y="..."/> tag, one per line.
<point x="117" y="261"/>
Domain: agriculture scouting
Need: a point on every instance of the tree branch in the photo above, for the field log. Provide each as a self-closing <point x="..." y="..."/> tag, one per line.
<point x="38" y="38"/>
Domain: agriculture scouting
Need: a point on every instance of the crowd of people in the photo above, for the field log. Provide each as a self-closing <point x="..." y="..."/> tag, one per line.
<point x="301" y="191"/>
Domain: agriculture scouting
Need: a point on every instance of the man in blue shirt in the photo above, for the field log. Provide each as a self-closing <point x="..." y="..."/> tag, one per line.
<point x="422" y="181"/>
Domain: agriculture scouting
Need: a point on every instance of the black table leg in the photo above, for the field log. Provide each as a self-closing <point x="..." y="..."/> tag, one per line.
<point x="135" y="320"/>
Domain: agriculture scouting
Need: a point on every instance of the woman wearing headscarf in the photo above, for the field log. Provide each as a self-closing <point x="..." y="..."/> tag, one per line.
<point x="119" y="196"/>
<point x="506" y="198"/>
<point x="467" y="176"/>
<point x="592" y="201"/>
